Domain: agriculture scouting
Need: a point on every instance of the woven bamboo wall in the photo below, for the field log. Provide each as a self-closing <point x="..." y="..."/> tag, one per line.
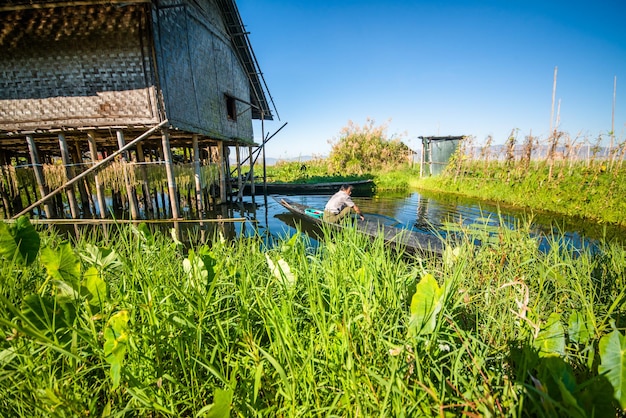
<point x="197" y="68"/>
<point x="75" y="67"/>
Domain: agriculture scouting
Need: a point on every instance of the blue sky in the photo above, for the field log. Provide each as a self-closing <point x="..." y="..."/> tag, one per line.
<point x="438" y="68"/>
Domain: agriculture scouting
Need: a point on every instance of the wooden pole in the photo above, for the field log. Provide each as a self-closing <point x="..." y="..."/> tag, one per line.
<point x="132" y="198"/>
<point x="65" y="157"/>
<point x="85" y="198"/>
<point x="553" y="99"/>
<point x="252" y="190"/>
<point x="147" y="199"/>
<point x="222" y="170"/>
<point x="41" y="184"/>
<point x="197" y="175"/>
<point x="239" y="179"/>
<point x="105" y="161"/>
<point x="171" y="179"/>
<point x="422" y="159"/>
<point x="430" y="158"/>
<point x="93" y="151"/>
<point x="4" y="187"/>
<point x="263" y="152"/>
<point x="613" y="112"/>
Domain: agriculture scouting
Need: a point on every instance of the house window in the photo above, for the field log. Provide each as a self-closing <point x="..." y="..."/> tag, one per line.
<point x="231" y="108"/>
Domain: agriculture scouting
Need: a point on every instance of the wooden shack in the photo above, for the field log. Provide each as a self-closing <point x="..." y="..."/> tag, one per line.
<point x="125" y="108"/>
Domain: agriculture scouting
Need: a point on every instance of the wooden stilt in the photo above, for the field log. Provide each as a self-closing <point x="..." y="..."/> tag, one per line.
<point x="91" y="169"/>
<point x="147" y="199"/>
<point x="171" y="179"/>
<point x="93" y="151"/>
<point x="12" y="185"/>
<point x="251" y="176"/>
<point x="69" y="191"/>
<point x="197" y="176"/>
<point x="156" y="203"/>
<point x="132" y="198"/>
<point x="239" y="179"/>
<point x="4" y="185"/>
<point x="85" y="195"/>
<point x="222" y="170"/>
<point x="25" y="192"/>
<point x="229" y="185"/>
<point x="164" y="203"/>
<point x="39" y="177"/>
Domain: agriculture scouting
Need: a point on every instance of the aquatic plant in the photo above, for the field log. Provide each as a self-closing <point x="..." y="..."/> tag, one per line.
<point x="136" y="324"/>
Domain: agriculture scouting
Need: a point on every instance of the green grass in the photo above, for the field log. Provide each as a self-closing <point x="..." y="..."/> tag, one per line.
<point x="312" y="171"/>
<point x="136" y="325"/>
<point x="317" y="171"/>
<point x="581" y="189"/>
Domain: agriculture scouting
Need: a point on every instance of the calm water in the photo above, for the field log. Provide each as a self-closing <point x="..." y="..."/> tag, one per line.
<point x="421" y="212"/>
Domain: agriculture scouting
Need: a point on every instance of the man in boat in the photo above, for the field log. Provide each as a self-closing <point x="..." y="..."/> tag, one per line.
<point x="340" y="205"/>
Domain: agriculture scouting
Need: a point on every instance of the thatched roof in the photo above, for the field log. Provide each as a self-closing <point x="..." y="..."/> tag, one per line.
<point x="260" y="96"/>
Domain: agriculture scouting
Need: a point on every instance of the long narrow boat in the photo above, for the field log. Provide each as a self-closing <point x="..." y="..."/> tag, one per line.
<point x="409" y="241"/>
<point x="360" y="187"/>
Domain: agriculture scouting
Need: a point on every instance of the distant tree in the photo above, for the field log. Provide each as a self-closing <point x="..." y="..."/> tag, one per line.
<point x="362" y="149"/>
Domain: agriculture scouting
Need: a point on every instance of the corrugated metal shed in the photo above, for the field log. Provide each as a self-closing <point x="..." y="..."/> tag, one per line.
<point x="436" y="152"/>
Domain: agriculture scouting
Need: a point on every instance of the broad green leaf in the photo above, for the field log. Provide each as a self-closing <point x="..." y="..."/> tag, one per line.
<point x="20" y="241"/>
<point x="551" y="338"/>
<point x="115" y="341"/>
<point x="209" y="261"/>
<point x="174" y="235"/>
<point x="107" y="260"/>
<point x="64" y="291"/>
<point x="288" y="246"/>
<point x="558" y="379"/>
<point x="195" y="269"/>
<point x="281" y="270"/>
<point x="425" y="305"/>
<point x="94" y="288"/>
<point x="578" y="328"/>
<point x="46" y="314"/>
<point x="613" y="363"/>
<point x="451" y="255"/>
<point x="116" y="333"/>
<point x="144" y="233"/>
<point x="220" y="408"/>
<point x="62" y="264"/>
<point x="6" y="356"/>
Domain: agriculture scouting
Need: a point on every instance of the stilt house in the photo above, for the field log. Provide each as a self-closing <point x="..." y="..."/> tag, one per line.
<point x="147" y="96"/>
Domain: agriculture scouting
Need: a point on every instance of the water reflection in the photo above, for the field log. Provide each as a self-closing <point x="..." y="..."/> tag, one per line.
<point x="422" y="212"/>
<point x="430" y="213"/>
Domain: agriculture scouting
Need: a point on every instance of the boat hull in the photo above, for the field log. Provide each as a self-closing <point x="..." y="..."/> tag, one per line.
<point x="402" y="239"/>
<point x="360" y="188"/>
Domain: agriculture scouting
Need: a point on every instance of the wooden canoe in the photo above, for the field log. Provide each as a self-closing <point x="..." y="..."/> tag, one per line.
<point x="360" y="188"/>
<point x="410" y="241"/>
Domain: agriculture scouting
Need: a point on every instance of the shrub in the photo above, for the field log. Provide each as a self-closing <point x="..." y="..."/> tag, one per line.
<point x="362" y="149"/>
